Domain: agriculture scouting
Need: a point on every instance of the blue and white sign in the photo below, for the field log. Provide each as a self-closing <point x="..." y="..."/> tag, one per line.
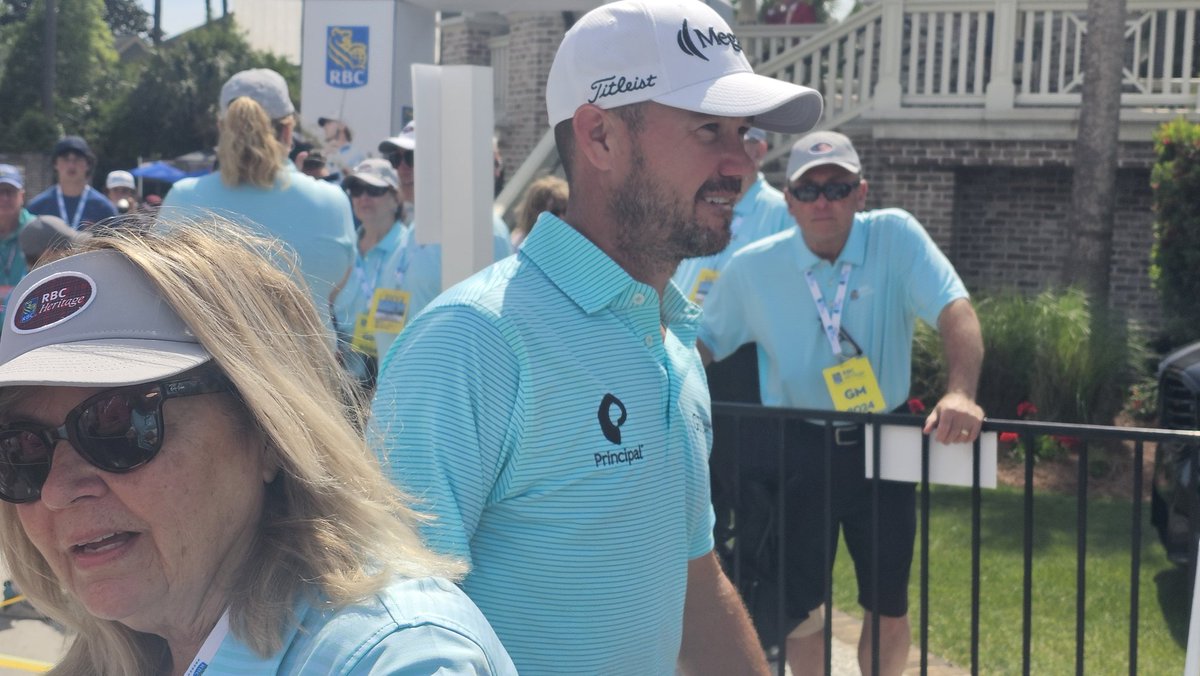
<point x="346" y="56"/>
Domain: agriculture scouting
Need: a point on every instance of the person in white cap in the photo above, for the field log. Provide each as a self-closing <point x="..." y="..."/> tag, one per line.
<point x="184" y="482"/>
<point x="121" y="190"/>
<point x="871" y="275"/>
<point x="412" y="276"/>
<point x="259" y="186"/>
<point x="374" y="190"/>
<point x="551" y="411"/>
<point x="760" y="211"/>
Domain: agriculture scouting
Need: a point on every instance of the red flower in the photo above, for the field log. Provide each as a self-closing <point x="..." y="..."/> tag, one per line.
<point x="1069" y="443"/>
<point x="915" y="406"/>
<point x="1009" y="437"/>
<point x="1026" y="409"/>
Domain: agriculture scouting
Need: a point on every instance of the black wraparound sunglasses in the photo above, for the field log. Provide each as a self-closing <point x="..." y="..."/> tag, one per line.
<point x="809" y="192"/>
<point x="356" y="189"/>
<point x="116" y="430"/>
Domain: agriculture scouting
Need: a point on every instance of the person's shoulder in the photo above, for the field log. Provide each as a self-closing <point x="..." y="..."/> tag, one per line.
<point x="185" y="188"/>
<point x="770" y="245"/>
<point x="490" y="292"/>
<point x="891" y="217"/>
<point x="40" y="200"/>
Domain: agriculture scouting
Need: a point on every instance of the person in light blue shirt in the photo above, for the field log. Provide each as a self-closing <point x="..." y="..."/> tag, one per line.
<point x="411" y="276"/>
<point x="374" y="190"/>
<point x="184" y="479"/>
<point x="551" y="411"/>
<point x="759" y="212"/>
<point x="833" y="299"/>
<point x="260" y="189"/>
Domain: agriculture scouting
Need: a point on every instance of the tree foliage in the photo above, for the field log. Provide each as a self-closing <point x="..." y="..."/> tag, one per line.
<point x="171" y="107"/>
<point x="86" y="67"/>
<point x="126" y="17"/>
<point x="1175" y="257"/>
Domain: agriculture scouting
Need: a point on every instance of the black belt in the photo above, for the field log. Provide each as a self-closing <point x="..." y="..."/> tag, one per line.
<point x="843" y="435"/>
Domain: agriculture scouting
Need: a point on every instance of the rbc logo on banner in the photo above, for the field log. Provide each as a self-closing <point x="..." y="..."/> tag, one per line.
<point x="346" y="49"/>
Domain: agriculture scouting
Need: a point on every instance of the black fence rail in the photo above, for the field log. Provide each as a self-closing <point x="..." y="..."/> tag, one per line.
<point x="750" y="448"/>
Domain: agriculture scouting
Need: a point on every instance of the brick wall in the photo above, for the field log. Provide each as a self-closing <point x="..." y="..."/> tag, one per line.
<point x="1000" y="210"/>
<point x="465" y="39"/>
<point x="533" y="41"/>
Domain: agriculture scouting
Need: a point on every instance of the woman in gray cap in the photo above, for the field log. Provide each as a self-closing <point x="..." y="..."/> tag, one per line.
<point x="258" y="187"/>
<point x="183" y="482"/>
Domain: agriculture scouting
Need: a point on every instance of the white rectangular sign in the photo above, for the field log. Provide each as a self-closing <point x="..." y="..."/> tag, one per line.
<point x="949" y="464"/>
<point x="347" y="77"/>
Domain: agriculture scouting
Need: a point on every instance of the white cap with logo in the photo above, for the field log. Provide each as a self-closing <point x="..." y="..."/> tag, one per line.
<point x="679" y="53"/>
<point x="821" y="148"/>
<point x="120" y="179"/>
<point x="405" y="140"/>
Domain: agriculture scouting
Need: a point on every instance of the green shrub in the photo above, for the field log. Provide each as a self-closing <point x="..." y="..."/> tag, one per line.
<point x="1041" y="349"/>
<point x="1175" y="256"/>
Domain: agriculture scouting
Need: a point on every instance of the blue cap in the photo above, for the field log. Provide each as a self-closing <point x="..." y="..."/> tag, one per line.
<point x="12" y="176"/>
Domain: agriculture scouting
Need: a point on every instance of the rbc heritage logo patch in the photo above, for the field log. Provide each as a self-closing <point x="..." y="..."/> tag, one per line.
<point x="53" y="302"/>
<point x="346" y="51"/>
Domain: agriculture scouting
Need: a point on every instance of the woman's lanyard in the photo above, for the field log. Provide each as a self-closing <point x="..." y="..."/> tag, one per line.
<point x="62" y="206"/>
<point x="831" y="320"/>
<point x="209" y="649"/>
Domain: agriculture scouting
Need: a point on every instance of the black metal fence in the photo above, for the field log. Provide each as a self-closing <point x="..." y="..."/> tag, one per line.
<point x="751" y="443"/>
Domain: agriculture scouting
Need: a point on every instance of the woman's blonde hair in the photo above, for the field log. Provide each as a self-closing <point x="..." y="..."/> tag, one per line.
<point x="333" y="526"/>
<point x="248" y="147"/>
<point x="548" y="193"/>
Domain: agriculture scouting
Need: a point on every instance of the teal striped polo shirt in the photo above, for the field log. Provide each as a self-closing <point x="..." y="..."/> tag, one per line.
<point x="560" y="437"/>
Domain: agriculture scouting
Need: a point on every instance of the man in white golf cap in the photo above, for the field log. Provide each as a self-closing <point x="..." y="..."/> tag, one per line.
<point x="551" y="411"/>
<point x="121" y="189"/>
<point x="871" y="275"/>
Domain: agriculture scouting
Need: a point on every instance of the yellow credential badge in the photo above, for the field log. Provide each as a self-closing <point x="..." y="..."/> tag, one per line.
<point x="704" y="282"/>
<point x="389" y="310"/>
<point x="853" y="387"/>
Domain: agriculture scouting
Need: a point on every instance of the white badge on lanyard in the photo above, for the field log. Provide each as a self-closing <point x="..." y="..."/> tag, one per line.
<point x="209" y="649"/>
<point x="62" y="206"/>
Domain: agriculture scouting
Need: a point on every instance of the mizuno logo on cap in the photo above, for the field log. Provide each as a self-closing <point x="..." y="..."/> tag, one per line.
<point x="704" y="40"/>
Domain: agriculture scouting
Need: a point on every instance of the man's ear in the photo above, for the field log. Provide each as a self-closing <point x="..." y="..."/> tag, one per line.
<point x="594" y="136"/>
<point x="862" y="196"/>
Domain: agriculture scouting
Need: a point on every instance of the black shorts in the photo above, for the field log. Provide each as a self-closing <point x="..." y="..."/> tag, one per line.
<point x="851" y="512"/>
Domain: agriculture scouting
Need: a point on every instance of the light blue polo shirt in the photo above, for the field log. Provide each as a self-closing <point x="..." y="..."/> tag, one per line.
<point x="761" y="212"/>
<point x="561" y="440"/>
<point x="413" y="627"/>
<point x="354" y="299"/>
<point x="897" y="275"/>
<point x="417" y="269"/>
<point x="312" y="217"/>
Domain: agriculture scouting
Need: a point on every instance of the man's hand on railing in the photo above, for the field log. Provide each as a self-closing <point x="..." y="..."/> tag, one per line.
<point x="955" y="419"/>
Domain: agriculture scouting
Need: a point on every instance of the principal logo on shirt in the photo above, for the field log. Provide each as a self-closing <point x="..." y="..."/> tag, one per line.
<point x="608" y="425"/>
<point x="346" y="51"/>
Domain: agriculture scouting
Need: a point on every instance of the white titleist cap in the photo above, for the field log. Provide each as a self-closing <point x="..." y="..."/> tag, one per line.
<point x="93" y="320"/>
<point x="405" y="140"/>
<point x="679" y="53"/>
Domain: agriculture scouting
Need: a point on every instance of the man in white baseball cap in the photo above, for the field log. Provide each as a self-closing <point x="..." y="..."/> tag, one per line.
<point x="121" y="190"/>
<point x="552" y="410"/>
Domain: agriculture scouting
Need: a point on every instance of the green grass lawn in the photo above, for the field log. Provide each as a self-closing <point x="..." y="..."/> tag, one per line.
<point x="1164" y="601"/>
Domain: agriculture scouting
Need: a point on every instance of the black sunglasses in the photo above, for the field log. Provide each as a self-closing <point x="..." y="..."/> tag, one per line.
<point x="408" y="157"/>
<point x="809" y="192"/>
<point x="357" y="188"/>
<point x="117" y="430"/>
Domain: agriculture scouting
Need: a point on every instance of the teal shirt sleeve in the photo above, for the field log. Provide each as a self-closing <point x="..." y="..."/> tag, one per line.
<point x="723" y="326"/>
<point x="443" y="418"/>
<point x="932" y="282"/>
<point x="429" y="649"/>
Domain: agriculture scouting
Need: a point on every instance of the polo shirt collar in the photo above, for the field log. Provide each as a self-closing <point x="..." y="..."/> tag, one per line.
<point x="854" y="252"/>
<point x="391" y="240"/>
<point x="575" y="265"/>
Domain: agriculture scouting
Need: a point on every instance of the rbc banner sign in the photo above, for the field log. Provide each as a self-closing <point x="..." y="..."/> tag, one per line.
<point x="346" y="51"/>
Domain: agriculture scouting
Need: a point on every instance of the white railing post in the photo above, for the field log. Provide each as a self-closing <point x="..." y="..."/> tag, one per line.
<point x="891" y="36"/>
<point x="1000" y="90"/>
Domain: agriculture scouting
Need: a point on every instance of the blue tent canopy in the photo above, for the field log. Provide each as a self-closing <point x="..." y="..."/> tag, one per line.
<point x="163" y="171"/>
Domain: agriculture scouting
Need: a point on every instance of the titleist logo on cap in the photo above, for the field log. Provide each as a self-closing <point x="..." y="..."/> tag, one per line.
<point x="54" y="301"/>
<point x="704" y="40"/>
<point x="613" y="85"/>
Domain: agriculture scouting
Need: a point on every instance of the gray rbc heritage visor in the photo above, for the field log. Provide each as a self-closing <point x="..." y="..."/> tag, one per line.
<point x="92" y="320"/>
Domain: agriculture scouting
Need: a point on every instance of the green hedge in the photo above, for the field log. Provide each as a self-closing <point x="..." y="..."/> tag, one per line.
<point x="1040" y="349"/>
<point x="1175" y="257"/>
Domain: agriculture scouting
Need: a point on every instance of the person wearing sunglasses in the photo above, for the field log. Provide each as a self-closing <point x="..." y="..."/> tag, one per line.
<point x="836" y="297"/>
<point x="412" y="276"/>
<point x="260" y="188"/>
<point x="183" y="482"/>
<point x="374" y="189"/>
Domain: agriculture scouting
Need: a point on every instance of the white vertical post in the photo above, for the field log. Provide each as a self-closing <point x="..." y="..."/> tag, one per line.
<point x="891" y="35"/>
<point x="454" y="180"/>
<point x="1000" y="91"/>
<point x="1192" y="665"/>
